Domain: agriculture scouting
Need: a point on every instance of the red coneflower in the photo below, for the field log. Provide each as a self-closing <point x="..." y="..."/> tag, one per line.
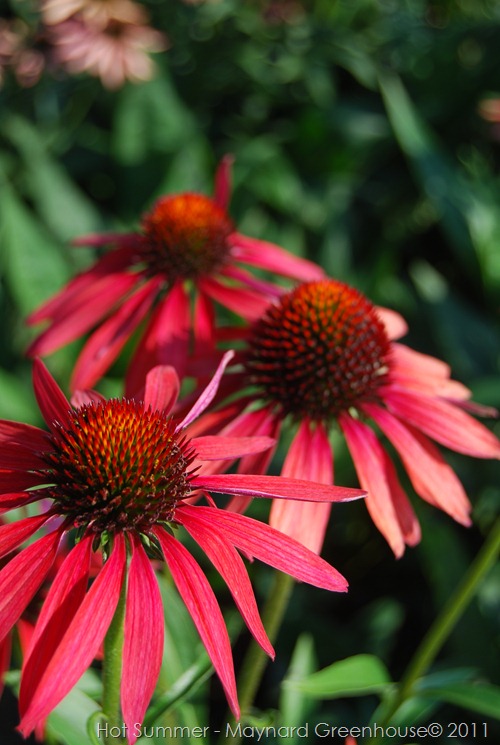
<point x="187" y="242"/>
<point x="322" y="356"/>
<point x="119" y="473"/>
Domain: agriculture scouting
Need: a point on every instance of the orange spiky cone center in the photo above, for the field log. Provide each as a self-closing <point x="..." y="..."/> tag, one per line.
<point x="117" y="467"/>
<point x="185" y="236"/>
<point x="320" y="351"/>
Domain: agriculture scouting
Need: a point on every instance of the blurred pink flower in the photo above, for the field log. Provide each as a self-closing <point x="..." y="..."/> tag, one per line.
<point x="187" y="243"/>
<point x="120" y="474"/>
<point x="96" y="12"/>
<point x="325" y="358"/>
<point x="18" y="54"/>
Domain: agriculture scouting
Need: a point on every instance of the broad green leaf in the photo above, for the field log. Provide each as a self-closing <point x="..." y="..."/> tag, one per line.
<point x="68" y="722"/>
<point x="355" y="676"/>
<point x="480" y="697"/>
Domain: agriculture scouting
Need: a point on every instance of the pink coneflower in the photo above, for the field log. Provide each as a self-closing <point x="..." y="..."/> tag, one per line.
<point x="18" y="53"/>
<point x="119" y="474"/>
<point x="186" y="242"/>
<point x="323" y="356"/>
<point x="98" y="12"/>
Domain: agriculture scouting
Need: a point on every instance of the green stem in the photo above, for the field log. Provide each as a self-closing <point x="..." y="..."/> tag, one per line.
<point x="255" y="661"/>
<point x="112" y="668"/>
<point x="444" y="624"/>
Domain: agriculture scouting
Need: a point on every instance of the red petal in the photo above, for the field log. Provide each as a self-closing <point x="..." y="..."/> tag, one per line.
<point x="230" y="566"/>
<point x="269" y="545"/>
<point x="275" y="486"/>
<point x="223" y="182"/>
<point x="81" y="641"/>
<point x="226" y="448"/>
<point x="143" y="641"/>
<point x="11" y="480"/>
<point x="62" y="601"/>
<point x="202" y="605"/>
<point x="5" y="648"/>
<point x="13" y="534"/>
<point x="244" y="302"/>
<point x="204" y="325"/>
<point x="274" y="258"/>
<point x="395" y="324"/>
<point x="208" y="394"/>
<point x="53" y="404"/>
<point x="25" y="435"/>
<point x="21" y="578"/>
<point x="162" y="389"/>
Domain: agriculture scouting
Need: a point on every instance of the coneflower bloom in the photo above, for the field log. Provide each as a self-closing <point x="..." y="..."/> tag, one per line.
<point x="119" y="474"/>
<point x="186" y="242"/>
<point x="324" y="357"/>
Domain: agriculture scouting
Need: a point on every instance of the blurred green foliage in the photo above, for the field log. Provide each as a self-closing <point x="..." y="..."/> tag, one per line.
<point x="358" y="143"/>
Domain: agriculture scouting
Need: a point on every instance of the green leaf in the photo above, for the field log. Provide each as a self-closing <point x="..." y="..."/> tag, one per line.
<point x="480" y="697"/>
<point x="294" y="705"/>
<point x="68" y="723"/>
<point x="355" y="676"/>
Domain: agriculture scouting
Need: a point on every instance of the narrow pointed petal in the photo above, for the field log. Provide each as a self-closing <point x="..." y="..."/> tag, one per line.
<point x="204" y="325"/>
<point x="310" y="458"/>
<point x="165" y="341"/>
<point x="246" y="303"/>
<point x="162" y="389"/>
<point x="104" y="345"/>
<point x="228" y="448"/>
<point x="407" y="518"/>
<point x="431" y="476"/>
<point x="222" y="191"/>
<point x="410" y="369"/>
<point x="268" y="545"/>
<point x="230" y="566"/>
<point x="278" y="487"/>
<point x="369" y="461"/>
<point x="208" y="395"/>
<point x="19" y="499"/>
<point x="13" y="534"/>
<point x="274" y="258"/>
<point x="202" y="605"/>
<point x="12" y="480"/>
<point x="53" y="404"/>
<point x="395" y="324"/>
<point x="80" y="643"/>
<point x="21" y="578"/>
<point x="444" y="422"/>
<point x="63" y="599"/>
<point x="143" y="640"/>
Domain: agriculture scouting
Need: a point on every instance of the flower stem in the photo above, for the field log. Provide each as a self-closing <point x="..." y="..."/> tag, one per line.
<point x="255" y="661"/>
<point x="112" y="667"/>
<point x="444" y="624"/>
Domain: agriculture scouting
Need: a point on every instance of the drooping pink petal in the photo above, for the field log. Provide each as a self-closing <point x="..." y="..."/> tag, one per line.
<point x="368" y="458"/>
<point x="444" y="422"/>
<point x="309" y="458"/>
<point x="13" y="534"/>
<point x="26" y="435"/>
<point x="268" y="545"/>
<point x="202" y="605"/>
<point x="208" y="395"/>
<point x="247" y="279"/>
<point x="274" y="486"/>
<point x="80" y="643"/>
<point x="53" y="404"/>
<point x="143" y="640"/>
<point x="109" y="267"/>
<point x="204" y="325"/>
<point x="274" y="258"/>
<point x="85" y="398"/>
<point x="405" y="513"/>
<point x="162" y="389"/>
<point x="22" y="576"/>
<point x="165" y="340"/>
<point x="228" y="448"/>
<point x="19" y="457"/>
<point x="230" y="566"/>
<point x="222" y="190"/>
<point x="432" y="478"/>
<point x="12" y="480"/>
<point x="63" y="599"/>
<point x="244" y="302"/>
<point x="20" y="499"/>
<point x="395" y="324"/>
<point x="105" y="344"/>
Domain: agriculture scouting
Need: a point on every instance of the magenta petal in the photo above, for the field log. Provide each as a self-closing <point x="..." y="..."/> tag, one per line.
<point x="222" y="191"/>
<point x="202" y="605"/>
<point x="269" y="545"/>
<point x="21" y="578"/>
<point x="230" y="566"/>
<point x="204" y="325"/>
<point x="19" y="499"/>
<point x="275" y="486"/>
<point x="13" y="534"/>
<point x="85" y="398"/>
<point x="162" y="389"/>
<point x="62" y="601"/>
<point x="244" y="302"/>
<point x="227" y="448"/>
<point x="105" y="344"/>
<point x="208" y="395"/>
<point x="5" y="649"/>
<point x="395" y="324"/>
<point x="274" y="258"/>
<point x="53" y="404"/>
<point x="143" y="641"/>
<point x="81" y="642"/>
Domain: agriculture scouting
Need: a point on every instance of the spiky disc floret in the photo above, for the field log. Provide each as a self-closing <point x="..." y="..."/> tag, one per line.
<point x="185" y="236"/>
<point x="118" y="467"/>
<point x="321" y="350"/>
